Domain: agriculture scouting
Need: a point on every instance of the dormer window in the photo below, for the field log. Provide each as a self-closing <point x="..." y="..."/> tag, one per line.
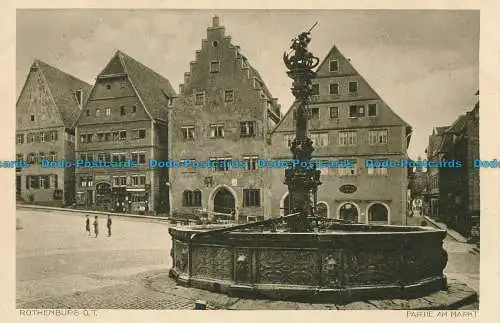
<point x="79" y="97"/>
<point x="334" y="66"/>
<point x="214" y="67"/>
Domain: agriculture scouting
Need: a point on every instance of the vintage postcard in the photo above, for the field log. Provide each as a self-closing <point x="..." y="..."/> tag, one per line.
<point x="335" y="159"/>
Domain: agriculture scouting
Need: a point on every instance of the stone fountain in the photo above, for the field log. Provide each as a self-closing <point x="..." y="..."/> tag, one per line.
<point x="304" y="257"/>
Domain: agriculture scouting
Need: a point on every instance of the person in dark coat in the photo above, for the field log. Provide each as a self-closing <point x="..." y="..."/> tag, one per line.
<point x="96" y="227"/>
<point x="108" y="224"/>
<point x="87" y="224"/>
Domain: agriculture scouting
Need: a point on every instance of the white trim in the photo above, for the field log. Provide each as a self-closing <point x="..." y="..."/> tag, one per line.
<point x="348" y="202"/>
<point x="282" y="204"/>
<point x="384" y="204"/>
<point x="327" y="208"/>
<point x="216" y="189"/>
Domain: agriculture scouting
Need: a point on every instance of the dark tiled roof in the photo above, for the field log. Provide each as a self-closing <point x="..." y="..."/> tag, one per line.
<point x="458" y="126"/>
<point x="153" y="89"/>
<point x="62" y="87"/>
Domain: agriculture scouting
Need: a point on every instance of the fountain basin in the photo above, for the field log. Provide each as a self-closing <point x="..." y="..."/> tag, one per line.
<point x="348" y="263"/>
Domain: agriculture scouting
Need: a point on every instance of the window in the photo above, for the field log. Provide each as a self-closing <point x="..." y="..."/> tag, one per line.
<point x="142" y="133"/>
<point x="100" y="137"/>
<point x="32" y="117"/>
<point x="79" y="97"/>
<point x="108" y="112"/>
<point x="314" y="113"/>
<point x="123" y="135"/>
<point x="83" y="138"/>
<point x="353" y="87"/>
<point x="134" y="109"/>
<point x="123" y="83"/>
<point x="97" y="112"/>
<point x="53" y="156"/>
<point x="115" y="158"/>
<point x="347" y="138"/>
<point x="200" y="98"/>
<point x="83" y="156"/>
<point x="108" y="86"/>
<point x="20" y="139"/>
<point x="334" y="66"/>
<point x="123" y="180"/>
<point x="116" y="135"/>
<point x="216" y="130"/>
<point x="376" y="137"/>
<point x="187" y="198"/>
<point x="31" y="158"/>
<point x="90" y="181"/>
<point x="251" y="162"/>
<point x="53" y="135"/>
<point x="87" y="113"/>
<point x="374" y="171"/>
<point x="251" y="197"/>
<point x="142" y="180"/>
<point x="315" y="89"/>
<point x="228" y="96"/>
<point x="348" y="171"/>
<point x="197" y="198"/>
<point x="288" y="139"/>
<point x="356" y="111"/>
<point x="30" y="138"/>
<point x="334" y="112"/>
<point x="334" y="88"/>
<point x="19" y="156"/>
<point x="319" y="139"/>
<point x="294" y="114"/>
<point x="187" y="132"/>
<point x="247" y="129"/>
<point x="43" y="137"/>
<point x="89" y="137"/>
<point x="122" y="111"/>
<point x="372" y="110"/>
<point x="214" y="67"/>
<point x="107" y="136"/>
<point x="221" y="164"/>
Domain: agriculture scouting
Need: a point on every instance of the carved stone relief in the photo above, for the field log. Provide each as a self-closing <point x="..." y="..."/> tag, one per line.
<point x="212" y="262"/>
<point x="288" y="266"/>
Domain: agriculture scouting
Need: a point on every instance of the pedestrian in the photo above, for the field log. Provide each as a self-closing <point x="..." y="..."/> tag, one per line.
<point x="108" y="224"/>
<point x="87" y="224"/>
<point x="96" y="227"/>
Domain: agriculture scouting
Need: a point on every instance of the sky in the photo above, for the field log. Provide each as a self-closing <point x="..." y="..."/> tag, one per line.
<point x="423" y="64"/>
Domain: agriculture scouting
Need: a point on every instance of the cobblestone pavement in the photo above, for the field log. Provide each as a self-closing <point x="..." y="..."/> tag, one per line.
<point x="59" y="266"/>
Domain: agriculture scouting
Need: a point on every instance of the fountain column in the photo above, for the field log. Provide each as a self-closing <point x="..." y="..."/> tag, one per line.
<point x="302" y="180"/>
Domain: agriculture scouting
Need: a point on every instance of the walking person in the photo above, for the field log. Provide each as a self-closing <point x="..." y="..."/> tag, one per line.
<point x="108" y="224"/>
<point x="96" y="227"/>
<point x="87" y="224"/>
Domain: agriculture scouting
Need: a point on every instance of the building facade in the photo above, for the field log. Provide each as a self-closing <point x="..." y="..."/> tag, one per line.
<point x="46" y="110"/>
<point x="124" y="123"/>
<point x="349" y="123"/>
<point x="224" y="113"/>
<point x="432" y="197"/>
<point x="460" y="191"/>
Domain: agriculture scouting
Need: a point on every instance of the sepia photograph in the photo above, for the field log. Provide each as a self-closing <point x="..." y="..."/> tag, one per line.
<point x="247" y="160"/>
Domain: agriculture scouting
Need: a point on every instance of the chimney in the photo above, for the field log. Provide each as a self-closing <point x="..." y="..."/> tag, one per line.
<point x="215" y="21"/>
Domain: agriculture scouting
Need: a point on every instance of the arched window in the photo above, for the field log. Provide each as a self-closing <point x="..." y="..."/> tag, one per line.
<point x="197" y="198"/>
<point x="322" y="210"/>
<point x="187" y="198"/>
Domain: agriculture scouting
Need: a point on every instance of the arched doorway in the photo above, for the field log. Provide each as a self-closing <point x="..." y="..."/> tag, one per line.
<point x="104" y="196"/>
<point x="322" y="209"/>
<point x="349" y="212"/>
<point x="378" y="213"/>
<point x="224" y="201"/>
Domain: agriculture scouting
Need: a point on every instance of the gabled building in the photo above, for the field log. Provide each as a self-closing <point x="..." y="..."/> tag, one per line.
<point x="460" y="191"/>
<point x="124" y="121"/>
<point x="224" y="113"/>
<point x="433" y="193"/>
<point x="46" y="110"/>
<point x="349" y="123"/>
